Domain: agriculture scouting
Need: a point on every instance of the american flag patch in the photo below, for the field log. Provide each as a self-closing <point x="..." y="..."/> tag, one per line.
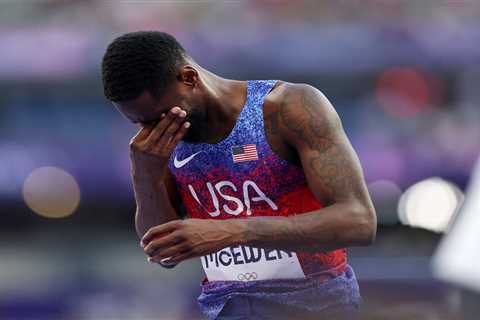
<point x="244" y="152"/>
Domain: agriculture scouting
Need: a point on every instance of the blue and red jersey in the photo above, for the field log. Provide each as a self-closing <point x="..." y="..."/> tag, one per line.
<point x="241" y="177"/>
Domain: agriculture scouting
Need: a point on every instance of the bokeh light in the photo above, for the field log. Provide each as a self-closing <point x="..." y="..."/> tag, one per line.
<point x="51" y="192"/>
<point x="402" y="75"/>
<point x="430" y="204"/>
<point x="403" y="92"/>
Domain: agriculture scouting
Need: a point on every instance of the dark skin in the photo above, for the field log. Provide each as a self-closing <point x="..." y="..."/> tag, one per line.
<point x="302" y="127"/>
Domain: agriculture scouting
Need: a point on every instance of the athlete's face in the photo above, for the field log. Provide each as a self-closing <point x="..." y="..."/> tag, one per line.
<point x="147" y="109"/>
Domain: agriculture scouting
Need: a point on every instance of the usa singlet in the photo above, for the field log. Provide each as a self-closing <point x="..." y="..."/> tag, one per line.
<point x="242" y="178"/>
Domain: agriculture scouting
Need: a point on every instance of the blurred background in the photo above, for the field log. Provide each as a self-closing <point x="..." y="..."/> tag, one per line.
<point x="403" y="76"/>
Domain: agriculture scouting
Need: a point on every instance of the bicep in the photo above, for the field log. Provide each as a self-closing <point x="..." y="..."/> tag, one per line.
<point x="330" y="163"/>
<point x="334" y="173"/>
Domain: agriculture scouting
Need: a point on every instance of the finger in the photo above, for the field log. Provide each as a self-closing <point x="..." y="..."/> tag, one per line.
<point x="164" y="263"/>
<point x="162" y="125"/>
<point x="179" y="135"/>
<point x="169" y="252"/>
<point x="181" y="257"/>
<point x="158" y="244"/>
<point x="159" y="230"/>
<point x="171" y="130"/>
<point x="145" y="131"/>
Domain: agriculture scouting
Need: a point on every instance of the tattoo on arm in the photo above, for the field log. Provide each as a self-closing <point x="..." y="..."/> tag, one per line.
<point x="330" y="158"/>
<point x="308" y="123"/>
<point x="271" y="123"/>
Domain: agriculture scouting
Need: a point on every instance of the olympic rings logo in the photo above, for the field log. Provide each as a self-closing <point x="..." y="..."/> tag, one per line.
<point x="247" y="276"/>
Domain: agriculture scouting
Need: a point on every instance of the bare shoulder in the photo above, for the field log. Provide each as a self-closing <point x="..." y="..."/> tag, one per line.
<point x="303" y="111"/>
<point x="285" y="91"/>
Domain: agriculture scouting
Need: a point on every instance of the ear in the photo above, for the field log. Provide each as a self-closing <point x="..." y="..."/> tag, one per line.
<point x="189" y="76"/>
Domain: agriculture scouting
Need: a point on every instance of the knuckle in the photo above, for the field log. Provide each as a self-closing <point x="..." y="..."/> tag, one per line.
<point x="148" y="249"/>
<point x="181" y="236"/>
<point x="177" y="224"/>
<point x="171" y="130"/>
<point x="194" y="251"/>
<point x="190" y="244"/>
<point x="176" y="237"/>
<point x="149" y="234"/>
<point x="153" y="244"/>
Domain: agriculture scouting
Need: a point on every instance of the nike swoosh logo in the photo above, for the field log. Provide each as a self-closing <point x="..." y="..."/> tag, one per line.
<point x="180" y="163"/>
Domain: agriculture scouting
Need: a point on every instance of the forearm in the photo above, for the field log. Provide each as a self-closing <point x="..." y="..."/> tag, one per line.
<point x="153" y="204"/>
<point x="150" y="151"/>
<point x="337" y="226"/>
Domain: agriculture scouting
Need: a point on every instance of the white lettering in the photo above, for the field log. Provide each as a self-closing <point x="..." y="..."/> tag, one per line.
<point x="216" y="213"/>
<point x="239" y="203"/>
<point x="262" y="196"/>
<point x="245" y="263"/>
<point x="240" y="206"/>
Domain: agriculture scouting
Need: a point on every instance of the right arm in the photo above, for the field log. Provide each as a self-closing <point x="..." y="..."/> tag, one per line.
<point x="158" y="201"/>
<point x="156" y="195"/>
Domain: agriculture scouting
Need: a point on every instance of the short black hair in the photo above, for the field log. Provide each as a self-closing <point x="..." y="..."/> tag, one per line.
<point x="139" y="61"/>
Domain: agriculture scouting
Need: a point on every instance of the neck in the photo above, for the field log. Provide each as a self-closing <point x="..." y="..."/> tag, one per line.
<point x="225" y="102"/>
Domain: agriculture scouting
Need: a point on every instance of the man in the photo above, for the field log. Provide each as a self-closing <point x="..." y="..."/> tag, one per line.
<point x="271" y="186"/>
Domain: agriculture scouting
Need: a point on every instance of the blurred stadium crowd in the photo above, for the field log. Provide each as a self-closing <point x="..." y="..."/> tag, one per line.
<point x="403" y="76"/>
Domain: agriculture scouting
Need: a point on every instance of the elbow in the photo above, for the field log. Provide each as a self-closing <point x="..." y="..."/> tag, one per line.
<point x="368" y="234"/>
<point x="365" y="225"/>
